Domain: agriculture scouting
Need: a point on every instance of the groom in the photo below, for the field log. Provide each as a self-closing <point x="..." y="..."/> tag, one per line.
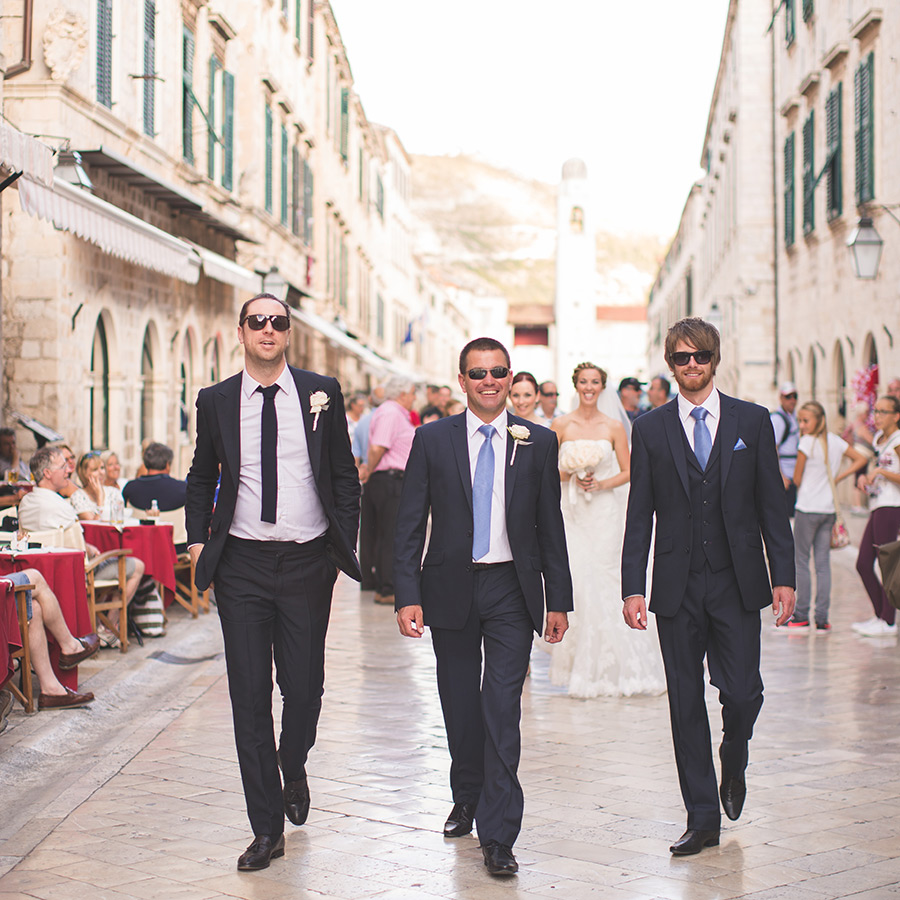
<point x="706" y="465"/>
<point x="497" y="545"/>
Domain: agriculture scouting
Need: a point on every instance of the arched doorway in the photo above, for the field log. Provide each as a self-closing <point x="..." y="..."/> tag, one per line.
<point x="99" y="393"/>
<point x="840" y="380"/>
<point x="147" y="362"/>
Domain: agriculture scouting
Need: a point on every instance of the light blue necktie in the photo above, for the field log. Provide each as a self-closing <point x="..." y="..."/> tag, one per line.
<point x="482" y="491"/>
<point x="702" y="439"/>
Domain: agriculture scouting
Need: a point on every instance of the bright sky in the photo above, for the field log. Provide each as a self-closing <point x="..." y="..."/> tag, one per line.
<point x="528" y="84"/>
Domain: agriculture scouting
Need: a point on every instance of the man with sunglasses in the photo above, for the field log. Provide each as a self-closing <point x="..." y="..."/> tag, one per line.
<point x="285" y="520"/>
<point x="497" y="556"/>
<point x="705" y="465"/>
<point x="787" y="440"/>
<point x="548" y="401"/>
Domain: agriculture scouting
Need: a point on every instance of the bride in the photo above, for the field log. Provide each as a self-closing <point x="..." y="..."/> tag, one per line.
<point x="601" y="656"/>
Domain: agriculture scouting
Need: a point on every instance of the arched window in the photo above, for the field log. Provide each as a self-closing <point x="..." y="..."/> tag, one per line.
<point x="840" y="380"/>
<point x="215" y="366"/>
<point x="186" y="379"/>
<point x="99" y="389"/>
<point x="147" y="387"/>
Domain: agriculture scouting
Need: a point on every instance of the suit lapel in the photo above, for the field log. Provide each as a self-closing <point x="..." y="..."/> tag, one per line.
<point x="314" y="440"/>
<point x="228" y="410"/>
<point x="675" y="435"/>
<point x="459" y="442"/>
<point x="511" y="470"/>
<point x="727" y="434"/>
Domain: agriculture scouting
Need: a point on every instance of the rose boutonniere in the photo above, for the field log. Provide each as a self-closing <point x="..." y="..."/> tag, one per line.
<point x="318" y="402"/>
<point x="520" y="435"/>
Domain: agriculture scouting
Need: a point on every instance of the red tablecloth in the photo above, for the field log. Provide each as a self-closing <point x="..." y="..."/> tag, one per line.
<point x="154" y="544"/>
<point x="64" y="572"/>
<point x="10" y="636"/>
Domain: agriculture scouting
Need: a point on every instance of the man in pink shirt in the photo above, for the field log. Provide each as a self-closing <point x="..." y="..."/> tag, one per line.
<point x="390" y="438"/>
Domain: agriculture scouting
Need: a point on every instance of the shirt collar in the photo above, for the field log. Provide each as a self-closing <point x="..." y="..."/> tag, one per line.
<point x="249" y="384"/>
<point x="711" y="404"/>
<point x="473" y="423"/>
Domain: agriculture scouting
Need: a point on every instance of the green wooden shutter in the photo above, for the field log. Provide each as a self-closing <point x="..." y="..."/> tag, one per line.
<point x="228" y="130"/>
<point x="865" y="132"/>
<point x="211" y="138"/>
<point x="104" y="52"/>
<point x="834" y="186"/>
<point x="345" y="123"/>
<point x="296" y="207"/>
<point x="342" y="294"/>
<point x="149" y="67"/>
<point x="809" y="174"/>
<point x="807" y="10"/>
<point x="284" y="175"/>
<point x="790" y="22"/>
<point x="269" y="137"/>
<point x="298" y="20"/>
<point x="311" y="30"/>
<point x="789" y="201"/>
<point x="379" y="197"/>
<point x="307" y="204"/>
<point x="187" y="95"/>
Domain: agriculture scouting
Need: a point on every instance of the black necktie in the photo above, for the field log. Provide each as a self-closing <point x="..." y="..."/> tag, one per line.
<point x="269" y="453"/>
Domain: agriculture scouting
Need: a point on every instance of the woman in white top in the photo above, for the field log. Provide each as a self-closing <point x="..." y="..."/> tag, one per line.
<point x="882" y="484"/>
<point x="815" y="513"/>
<point x="94" y="500"/>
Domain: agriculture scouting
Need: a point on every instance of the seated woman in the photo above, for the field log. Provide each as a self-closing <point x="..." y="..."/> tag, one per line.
<point x="112" y="470"/>
<point x="95" y="500"/>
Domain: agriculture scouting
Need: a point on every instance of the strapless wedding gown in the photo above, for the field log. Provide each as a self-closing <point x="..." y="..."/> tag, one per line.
<point x="600" y="656"/>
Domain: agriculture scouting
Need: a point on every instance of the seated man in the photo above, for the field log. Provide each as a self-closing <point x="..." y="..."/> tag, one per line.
<point x="43" y="509"/>
<point x="157" y="484"/>
<point x="10" y="461"/>
<point x="45" y="615"/>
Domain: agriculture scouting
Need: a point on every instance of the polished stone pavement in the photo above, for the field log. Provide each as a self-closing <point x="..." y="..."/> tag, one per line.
<point x="139" y="796"/>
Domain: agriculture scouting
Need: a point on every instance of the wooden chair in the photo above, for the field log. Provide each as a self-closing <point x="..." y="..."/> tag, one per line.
<point x="24" y="693"/>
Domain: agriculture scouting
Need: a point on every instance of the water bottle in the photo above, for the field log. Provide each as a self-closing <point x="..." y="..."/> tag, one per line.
<point x="153" y="512"/>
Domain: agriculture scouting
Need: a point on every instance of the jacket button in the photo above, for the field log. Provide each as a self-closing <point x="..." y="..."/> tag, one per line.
<point x="690" y="516"/>
<point x="468" y="534"/>
<point x="687" y="549"/>
<point x="468" y="568"/>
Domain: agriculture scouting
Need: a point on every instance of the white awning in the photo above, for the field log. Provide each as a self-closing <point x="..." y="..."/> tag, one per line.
<point x="112" y="229"/>
<point x="23" y="153"/>
<point x="228" y="271"/>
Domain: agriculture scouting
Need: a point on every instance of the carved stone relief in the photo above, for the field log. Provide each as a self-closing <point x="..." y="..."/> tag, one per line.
<point x="65" y="43"/>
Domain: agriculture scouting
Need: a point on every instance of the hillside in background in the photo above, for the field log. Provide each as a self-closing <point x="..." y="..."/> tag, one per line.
<point x="492" y="231"/>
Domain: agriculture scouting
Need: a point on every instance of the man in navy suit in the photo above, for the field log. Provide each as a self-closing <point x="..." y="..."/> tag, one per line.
<point x="285" y="520"/>
<point x="706" y="465"/>
<point x="497" y="552"/>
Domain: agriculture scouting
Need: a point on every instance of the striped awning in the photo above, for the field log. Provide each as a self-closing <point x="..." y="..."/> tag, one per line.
<point x="22" y="153"/>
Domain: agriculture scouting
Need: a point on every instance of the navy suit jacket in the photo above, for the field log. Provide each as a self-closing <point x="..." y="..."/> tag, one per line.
<point x="438" y="480"/>
<point x="753" y="506"/>
<point x="219" y="444"/>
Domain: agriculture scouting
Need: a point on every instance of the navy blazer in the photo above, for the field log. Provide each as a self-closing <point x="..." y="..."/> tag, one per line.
<point x="438" y="480"/>
<point x="753" y="506"/>
<point x="219" y="444"/>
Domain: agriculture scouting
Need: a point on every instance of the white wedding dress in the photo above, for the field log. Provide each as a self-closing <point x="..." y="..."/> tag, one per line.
<point x="600" y="656"/>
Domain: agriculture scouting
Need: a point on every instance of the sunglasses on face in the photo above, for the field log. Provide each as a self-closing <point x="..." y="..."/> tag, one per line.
<point x="549" y="394"/>
<point x="789" y="396"/>
<point x="701" y="357"/>
<point x="257" y="321"/>
<point x="481" y="374"/>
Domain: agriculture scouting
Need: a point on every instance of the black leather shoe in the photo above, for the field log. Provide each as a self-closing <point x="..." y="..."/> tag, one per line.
<point x="499" y="859"/>
<point x="258" y="854"/>
<point x="733" y="792"/>
<point x="693" y="841"/>
<point x="459" y="822"/>
<point x="296" y="800"/>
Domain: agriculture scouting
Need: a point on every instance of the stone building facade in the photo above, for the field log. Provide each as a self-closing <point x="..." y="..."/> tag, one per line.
<point x="205" y="150"/>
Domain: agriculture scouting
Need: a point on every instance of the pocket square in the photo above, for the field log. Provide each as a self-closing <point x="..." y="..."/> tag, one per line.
<point x="740" y="445"/>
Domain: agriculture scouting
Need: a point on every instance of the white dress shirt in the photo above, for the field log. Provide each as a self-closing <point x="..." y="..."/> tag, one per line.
<point x="500" y="551"/>
<point x="300" y="516"/>
<point x="711" y="404"/>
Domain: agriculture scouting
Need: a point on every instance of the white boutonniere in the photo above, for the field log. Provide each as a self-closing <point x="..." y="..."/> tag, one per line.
<point x="520" y="435"/>
<point x="319" y="401"/>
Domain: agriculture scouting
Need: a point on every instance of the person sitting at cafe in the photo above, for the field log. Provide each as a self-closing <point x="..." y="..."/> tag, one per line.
<point x="95" y="500"/>
<point x="157" y="484"/>
<point x="69" y="487"/>
<point x="45" y="615"/>
<point x="44" y="509"/>
<point x="10" y="459"/>
<point x="112" y="470"/>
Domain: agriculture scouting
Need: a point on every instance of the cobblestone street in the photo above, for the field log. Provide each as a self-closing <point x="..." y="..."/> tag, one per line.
<point x="139" y="796"/>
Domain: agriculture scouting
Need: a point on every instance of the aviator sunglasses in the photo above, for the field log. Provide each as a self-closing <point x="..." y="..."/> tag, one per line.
<point x="701" y="357"/>
<point x="257" y="321"/>
<point x="481" y="374"/>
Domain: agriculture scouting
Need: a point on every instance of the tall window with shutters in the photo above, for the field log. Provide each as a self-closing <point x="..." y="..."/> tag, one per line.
<point x="789" y="196"/>
<point x="345" y="124"/>
<point x="311" y="29"/>
<point x="790" y="22"/>
<point x="834" y="186"/>
<point x="307" y="204"/>
<point x="379" y="197"/>
<point x="150" y="67"/>
<point x="104" y="52"/>
<point x="809" y="174"/>
<point x="863" y="97"/>
<point x="227" y="131"/>
<point x="296" y="206"/>
<point x="212" y="139"/>
<point x="187" y="95"/>
<point x="285" y="176"/>
<point x="807" y="10"/>
<point x="298" y="21"/>
<point x="269" y="139"/>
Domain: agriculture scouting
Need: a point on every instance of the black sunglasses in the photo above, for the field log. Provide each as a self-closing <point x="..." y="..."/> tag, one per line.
<point x="257" y="321"/>
<point x="480" y="374"/>
<point x="549" y="394"/>
<point x="701" y="357"/>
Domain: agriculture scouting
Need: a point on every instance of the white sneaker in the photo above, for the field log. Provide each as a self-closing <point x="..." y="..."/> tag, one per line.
<point x="879" y="629"/>
<point x="861" y="627"/>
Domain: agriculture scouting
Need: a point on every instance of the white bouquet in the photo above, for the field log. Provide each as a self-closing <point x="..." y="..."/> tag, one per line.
<point x="580" y="458"/>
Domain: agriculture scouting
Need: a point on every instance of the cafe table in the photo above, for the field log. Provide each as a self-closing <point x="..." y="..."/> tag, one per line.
<point x="63" y="570"/>
<point x="10" y="636"/>
<point x="154" y="544"/>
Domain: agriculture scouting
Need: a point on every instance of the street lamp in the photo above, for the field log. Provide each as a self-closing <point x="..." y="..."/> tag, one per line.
<point x="273" y="283"/>
<point x="865" y="245"/>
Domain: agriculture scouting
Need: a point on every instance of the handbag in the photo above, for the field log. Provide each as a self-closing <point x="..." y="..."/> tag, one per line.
<point x="840" y="537"/>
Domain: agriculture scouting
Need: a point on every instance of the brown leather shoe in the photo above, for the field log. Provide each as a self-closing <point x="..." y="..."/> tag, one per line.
<point x="69" y="700"/>
<point x="90" y="644"/>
